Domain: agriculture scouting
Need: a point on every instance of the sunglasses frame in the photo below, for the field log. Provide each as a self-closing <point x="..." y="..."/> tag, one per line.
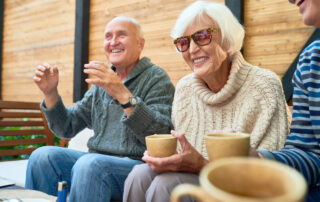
<point x="210" y="30"/>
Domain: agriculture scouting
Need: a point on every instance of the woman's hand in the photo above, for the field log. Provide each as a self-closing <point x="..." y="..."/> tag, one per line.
<point x="187" y="160"/>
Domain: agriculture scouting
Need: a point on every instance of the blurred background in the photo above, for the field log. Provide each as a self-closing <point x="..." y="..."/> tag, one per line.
<point x="38" y="31"/>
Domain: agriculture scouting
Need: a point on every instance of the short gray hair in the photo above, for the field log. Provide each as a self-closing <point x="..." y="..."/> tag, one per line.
<point x="231" y="30"/>
<point x="130" y="19"/>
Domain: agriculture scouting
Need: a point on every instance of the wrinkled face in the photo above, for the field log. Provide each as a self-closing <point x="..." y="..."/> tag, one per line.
<point x="205" y="61"/>
<point x="122" y="45"/>
<point x="310" y="10"/>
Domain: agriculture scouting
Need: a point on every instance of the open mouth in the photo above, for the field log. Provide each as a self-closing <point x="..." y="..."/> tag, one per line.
<point x="116" y="50"/>
<point x="198" y="61"/>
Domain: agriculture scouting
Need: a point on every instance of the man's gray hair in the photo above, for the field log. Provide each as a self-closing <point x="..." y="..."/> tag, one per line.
<point x="231" y="30"/>
<point x="130" y="19"/>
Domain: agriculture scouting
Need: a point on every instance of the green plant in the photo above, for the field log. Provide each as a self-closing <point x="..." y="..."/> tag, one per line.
<point x="23" y="156"/>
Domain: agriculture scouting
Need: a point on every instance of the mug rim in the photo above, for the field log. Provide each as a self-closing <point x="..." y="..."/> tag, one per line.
<point x="299" y="190"/>
<point x="160" y="136"/>
<point x="225" y="135"/>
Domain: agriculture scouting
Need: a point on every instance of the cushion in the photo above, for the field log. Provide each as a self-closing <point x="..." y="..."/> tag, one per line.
<point x="79" y="142"/>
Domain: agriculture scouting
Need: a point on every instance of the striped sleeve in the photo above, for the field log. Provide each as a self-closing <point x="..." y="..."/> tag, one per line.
<point x="302" y="148"/>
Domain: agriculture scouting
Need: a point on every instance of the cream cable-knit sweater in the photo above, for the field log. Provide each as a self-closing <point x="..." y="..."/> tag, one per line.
<point x="252" y="101"/>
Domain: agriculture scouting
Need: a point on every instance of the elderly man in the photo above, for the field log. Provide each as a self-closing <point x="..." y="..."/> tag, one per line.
<point x="126" y="102"/>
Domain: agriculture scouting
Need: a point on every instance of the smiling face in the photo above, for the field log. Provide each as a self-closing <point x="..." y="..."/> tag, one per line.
<point x="205" y="61"/>
<point x="310" y="10"/>
<point x="122" y="44"/>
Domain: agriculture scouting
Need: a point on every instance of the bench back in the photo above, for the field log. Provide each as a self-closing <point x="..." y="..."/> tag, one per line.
<point x="22" y="123"/>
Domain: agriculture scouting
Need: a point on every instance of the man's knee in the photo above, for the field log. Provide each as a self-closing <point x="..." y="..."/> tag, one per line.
<point x="91" y="164"/>
<point x="43" y="155"/>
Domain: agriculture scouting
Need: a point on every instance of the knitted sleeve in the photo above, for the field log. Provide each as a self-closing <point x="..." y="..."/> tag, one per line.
<point x="67" y="123"/>
<point x="302" y="145"/>
<point x="271" y="124"/>
<point x="153" y="113"/>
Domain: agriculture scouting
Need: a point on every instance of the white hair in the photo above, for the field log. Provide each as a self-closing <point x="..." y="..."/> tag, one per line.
<point x="129" y="19"/>
<point x="231" y="30"/>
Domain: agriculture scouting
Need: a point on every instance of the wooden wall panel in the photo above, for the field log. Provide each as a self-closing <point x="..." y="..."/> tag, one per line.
<point x="157" y="18"/>
<point x="37" y="31"/>
<point x="275" y="34"/>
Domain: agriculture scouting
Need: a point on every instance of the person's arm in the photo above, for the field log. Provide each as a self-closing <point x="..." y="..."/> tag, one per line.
<point x="106" y="78"/>
<point x="306" y="162"/>
<point x="67" y="122"/>
<point x="272" y="117"/>
<point x="302" y="145"/>
<point x="152" y="113"/>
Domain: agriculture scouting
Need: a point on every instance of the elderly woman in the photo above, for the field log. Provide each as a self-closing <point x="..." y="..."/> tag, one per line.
<point x="223" y="92"/>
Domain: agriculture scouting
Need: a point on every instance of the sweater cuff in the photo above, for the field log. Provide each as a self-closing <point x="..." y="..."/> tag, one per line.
<point x="140" y="118"/>
<point x="266" y="154"/>
<point x="56" y="114"/>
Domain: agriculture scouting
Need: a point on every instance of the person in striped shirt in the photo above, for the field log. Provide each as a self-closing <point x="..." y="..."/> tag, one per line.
<point x="302" y="147"/>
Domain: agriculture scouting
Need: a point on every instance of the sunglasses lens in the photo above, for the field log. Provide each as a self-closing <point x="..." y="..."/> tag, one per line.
<point x="292" y="1"/>
<point x="182" y="44"/>
<point x="202" y="37"/>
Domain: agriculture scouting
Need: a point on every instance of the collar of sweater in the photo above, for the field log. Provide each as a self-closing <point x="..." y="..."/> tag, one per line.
<point x="141" y="66"/>
<point x="238" y="74"/>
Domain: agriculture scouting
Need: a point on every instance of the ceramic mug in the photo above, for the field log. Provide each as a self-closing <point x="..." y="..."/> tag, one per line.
<point x="221" y="145"/>
<point x="161" y="145"/>
<point x="244" y="179"/>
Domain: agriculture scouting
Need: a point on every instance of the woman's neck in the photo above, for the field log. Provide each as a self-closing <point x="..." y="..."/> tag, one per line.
<point x="216" y="82"/>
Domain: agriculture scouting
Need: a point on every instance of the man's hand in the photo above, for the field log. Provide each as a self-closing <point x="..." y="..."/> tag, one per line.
<point x="47" y="77"/>
<point x="187" y="160"/>
<point x="108" y="80"/>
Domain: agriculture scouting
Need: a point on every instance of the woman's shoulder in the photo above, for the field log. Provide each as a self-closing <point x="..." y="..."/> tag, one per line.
<point x="264" y="77"/>
<point x="184" y="88"/>
<point x="185" y="81"/>
<point x="265" y="85"/>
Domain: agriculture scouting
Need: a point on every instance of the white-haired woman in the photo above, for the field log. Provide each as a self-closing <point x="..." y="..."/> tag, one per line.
<point x="223" y="92"/>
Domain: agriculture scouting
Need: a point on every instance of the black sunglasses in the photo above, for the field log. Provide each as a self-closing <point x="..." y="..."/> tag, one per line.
<point x="201" y="38"/>
<point x="295" y="1"/>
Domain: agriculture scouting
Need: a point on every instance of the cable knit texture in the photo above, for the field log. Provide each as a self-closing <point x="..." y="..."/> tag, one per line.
<point x="252" y="101"/>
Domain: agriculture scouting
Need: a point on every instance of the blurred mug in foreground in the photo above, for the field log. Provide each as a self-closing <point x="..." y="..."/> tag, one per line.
<point x="220" y="145"/>
<point x="242" y="179"/>
<point x="161" y="145"/>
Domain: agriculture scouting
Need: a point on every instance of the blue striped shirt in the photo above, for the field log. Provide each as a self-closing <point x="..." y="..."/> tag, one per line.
<point x="302" y="149"/>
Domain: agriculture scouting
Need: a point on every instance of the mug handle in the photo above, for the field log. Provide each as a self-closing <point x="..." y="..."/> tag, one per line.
<point x="188" y="190"/>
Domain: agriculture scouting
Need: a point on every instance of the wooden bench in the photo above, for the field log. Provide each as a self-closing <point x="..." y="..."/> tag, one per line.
<point x="21" y="120"/>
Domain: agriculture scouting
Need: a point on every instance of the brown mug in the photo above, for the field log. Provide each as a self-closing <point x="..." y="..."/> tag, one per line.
<point x="244" y="179"/>
<point x="221" y="145"/>
<point x="161" y="145"/>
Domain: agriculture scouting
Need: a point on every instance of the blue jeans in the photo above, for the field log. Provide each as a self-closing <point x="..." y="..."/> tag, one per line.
<point x="90" y="176"/>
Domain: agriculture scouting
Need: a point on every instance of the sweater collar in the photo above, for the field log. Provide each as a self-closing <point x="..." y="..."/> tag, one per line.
<point x="238" y="74"/>
<point x="143" y="64"/>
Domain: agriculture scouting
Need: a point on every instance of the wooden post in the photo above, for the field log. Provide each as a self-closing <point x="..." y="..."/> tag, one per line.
<point x="81" y="48"/>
